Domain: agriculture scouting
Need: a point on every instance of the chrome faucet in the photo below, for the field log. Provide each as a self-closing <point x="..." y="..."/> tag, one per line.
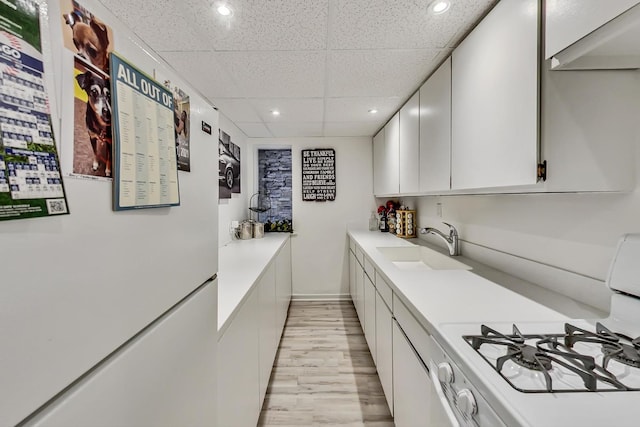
<point x="451" y="240"/>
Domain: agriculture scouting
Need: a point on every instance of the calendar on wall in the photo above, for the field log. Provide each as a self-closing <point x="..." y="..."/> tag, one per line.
<point x="30" y="180"/>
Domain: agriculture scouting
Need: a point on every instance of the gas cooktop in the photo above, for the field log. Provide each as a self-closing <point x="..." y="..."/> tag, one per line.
<point x="573" y="360"/>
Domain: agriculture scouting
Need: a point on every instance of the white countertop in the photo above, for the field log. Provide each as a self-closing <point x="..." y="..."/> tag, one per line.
<point x="444" y="296"/>
<point x="451" y="303"/>
<point x="241" y="264"/>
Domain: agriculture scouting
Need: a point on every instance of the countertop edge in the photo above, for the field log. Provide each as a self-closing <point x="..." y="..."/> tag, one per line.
<point x="259" y="253"/>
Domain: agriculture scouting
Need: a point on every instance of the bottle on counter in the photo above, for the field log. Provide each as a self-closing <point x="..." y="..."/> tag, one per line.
<point x="391" y="221"/>
<point x="383" y="223"/>
<point x="373" y="222"/>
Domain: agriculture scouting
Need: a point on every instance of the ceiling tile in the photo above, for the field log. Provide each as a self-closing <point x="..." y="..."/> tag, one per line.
<point x="254" y="130"/>
<point x="166" y="24"/>
<point x="460" y="19"/>
<point x="291" y="110"/>
<point x="351" y="128"/>
<point x="357" y="109"/>
<point x="319" y="60"/>
<point x="399" y="24"/>
<point x="276" y="74"/>
<point x="209" y="76"/>
<point x="237" y="110"/>
<point x="272" y="25"/>
<point x="377" y="72"/>
<point x="301" y="129"/>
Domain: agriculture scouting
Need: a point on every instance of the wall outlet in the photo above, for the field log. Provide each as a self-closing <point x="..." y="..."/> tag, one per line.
<point x="439" y="209"/>
<point x="235" y="224"/>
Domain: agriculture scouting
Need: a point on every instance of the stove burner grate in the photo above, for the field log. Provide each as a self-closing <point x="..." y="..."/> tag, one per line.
<point x="614" y="345"/>
<point x="553" y="351"/>
<point x="526" y="356"/>
<point x="622" y="353"/>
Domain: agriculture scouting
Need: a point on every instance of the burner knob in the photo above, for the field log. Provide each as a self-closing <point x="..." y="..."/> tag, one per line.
<point x="445" y="373"/>
<point x="466" y="403"/>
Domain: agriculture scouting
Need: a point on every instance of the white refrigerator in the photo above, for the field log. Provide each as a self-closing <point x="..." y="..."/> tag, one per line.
<point x="109" y="318"/>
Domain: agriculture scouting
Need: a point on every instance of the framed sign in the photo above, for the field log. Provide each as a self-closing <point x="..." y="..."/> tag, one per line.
<point x="146" y="168"/>
<point x="319" y="174"/>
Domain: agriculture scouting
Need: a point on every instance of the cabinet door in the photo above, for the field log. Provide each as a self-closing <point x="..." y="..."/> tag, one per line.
<point x="567" y="21"/>
<point x="495" y="100"/>
<point x="391" y="177"/>
<point x="590" y="145"/>
<point x="409" y="163"/>
<point x="283" y="284"/>
<point x="384" y="349"/>
<point x="269" y="336"/>
<point x="238" y="368"/>
<point x="411" y="384"/>
<point x="352" y="277"/>
<point x="379" y="167"/>
<point x="435" y="130"/>
<point x="370" y="315"/>
<point x="359" y="303"/>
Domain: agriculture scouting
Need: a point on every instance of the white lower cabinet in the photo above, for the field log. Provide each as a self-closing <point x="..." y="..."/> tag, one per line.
<point x="352" y="276"/>
<point x="384" y="348"/>
<point x="248" y="346"/>
<point x="400" y="348"/>
<point x="369" y="325"/>
<point x="283" y="283"/>
<point x="412" y="388"/>
<point x="238" y="368"/>
<point x="268" y="327"/>
<point x="359" y="301"/>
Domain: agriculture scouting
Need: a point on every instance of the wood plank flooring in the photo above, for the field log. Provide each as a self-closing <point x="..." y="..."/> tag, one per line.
<point x="323" y="374"/>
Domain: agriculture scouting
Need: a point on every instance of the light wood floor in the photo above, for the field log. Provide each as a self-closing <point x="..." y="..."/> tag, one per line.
<point x="323" y="373"/>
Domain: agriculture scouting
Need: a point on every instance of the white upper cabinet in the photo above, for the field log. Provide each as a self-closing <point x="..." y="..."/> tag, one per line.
<point x="435" y="130"/>
<point x="409" y="165"/>
<point x="386" y="157"/>
<point x="391" y="184"/>
<point x="495" y="100"/>
<point x="577" y="26"/>
<point x="378" y="162"/>
<point x="590" y="129"/>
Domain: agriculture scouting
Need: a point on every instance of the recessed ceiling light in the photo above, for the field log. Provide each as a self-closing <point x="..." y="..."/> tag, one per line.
<point x="275" y="112"/>
<point x="224" y="10"/>
<point x="373" y="111"/>
<point x="439" y="6"/>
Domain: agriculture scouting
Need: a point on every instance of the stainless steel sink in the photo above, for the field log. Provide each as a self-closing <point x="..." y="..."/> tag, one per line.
<point x="420" y="258"/>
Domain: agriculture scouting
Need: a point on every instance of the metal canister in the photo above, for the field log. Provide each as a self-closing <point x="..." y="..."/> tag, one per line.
<point x="246" y="230"/>
<point x="258" y="230"/>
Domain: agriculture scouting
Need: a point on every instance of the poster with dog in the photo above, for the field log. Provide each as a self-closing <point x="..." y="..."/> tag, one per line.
<point x="91" y="42"/>
<point x="30" y="181"/>
<point x="182" y="120"/>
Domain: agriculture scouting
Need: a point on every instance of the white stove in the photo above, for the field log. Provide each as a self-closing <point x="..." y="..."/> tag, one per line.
<point x="579" y="373"/>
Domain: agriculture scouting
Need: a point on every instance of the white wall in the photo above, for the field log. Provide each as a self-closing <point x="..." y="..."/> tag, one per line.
<point x="319" y="246"/>
<point x="237" y="207"/>
<point x="574" y="232"/>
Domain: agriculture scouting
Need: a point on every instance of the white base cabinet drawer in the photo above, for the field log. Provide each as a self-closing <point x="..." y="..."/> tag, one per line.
<point x="369" y="324"/>
<point x="384" y="349"/>
<point x="411" y="384"/>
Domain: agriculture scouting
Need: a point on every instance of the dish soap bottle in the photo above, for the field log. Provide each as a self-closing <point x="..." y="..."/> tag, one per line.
<point x="373" y="222"/>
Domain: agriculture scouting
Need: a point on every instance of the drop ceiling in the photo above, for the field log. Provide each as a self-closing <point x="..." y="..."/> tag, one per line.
<point x="322" y="63"/>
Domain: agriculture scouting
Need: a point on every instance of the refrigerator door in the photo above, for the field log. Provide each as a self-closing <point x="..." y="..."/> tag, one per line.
<point x="165" y="376"/>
